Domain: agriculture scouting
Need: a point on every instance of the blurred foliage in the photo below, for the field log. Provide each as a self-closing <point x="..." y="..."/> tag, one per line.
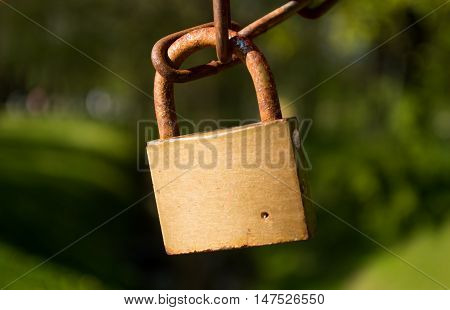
<point x="50" y="276"/>
<point x="69" y="147"/>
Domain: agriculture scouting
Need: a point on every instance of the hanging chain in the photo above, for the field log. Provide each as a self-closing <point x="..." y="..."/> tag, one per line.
<point x="222" y="24"/>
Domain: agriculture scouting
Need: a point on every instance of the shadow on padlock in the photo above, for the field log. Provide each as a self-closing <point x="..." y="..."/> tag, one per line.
<point x="229" y="188"/>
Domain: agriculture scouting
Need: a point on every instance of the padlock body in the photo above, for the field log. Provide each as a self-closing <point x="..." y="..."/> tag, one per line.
<point x="229" y="188"/>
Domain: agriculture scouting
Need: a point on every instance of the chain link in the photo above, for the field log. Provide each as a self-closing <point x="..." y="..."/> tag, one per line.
<point x="222" y="24"/>
<point x="222" y="21"/>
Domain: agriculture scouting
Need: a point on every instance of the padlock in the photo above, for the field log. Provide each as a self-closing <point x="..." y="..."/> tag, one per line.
<point x="228" y="188"/>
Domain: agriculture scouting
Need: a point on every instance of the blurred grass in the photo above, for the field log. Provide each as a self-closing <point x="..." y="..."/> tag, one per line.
<point x="33" y="147"/>
<point x="61" y="177"/>
<point x="427" y="249"/>
<point x="14" y="263"/>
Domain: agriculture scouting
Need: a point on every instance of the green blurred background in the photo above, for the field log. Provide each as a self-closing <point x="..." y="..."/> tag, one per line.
<point x="70" y="148"/>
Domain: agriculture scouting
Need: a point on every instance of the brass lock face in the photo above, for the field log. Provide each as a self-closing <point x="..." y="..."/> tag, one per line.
<point x="228" y="188"/>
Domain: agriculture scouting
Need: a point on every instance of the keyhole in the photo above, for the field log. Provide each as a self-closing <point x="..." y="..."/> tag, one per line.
<point x="264" y="215"/>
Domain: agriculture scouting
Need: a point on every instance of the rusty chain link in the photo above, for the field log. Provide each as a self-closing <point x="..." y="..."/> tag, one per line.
<point x="242" y="49"/>
<point x="232" y="45"/>
<point x="222" y="22"/>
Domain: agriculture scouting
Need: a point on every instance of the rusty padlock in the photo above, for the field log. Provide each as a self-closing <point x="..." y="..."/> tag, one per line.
<point x="248" y="192"/>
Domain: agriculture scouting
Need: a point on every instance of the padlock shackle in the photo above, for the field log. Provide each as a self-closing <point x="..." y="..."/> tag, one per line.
<point x="243" y="49"/>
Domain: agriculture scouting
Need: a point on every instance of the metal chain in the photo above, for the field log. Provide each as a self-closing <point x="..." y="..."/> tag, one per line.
<point x="243" y="49"/>
<point x="222" y="24"/>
